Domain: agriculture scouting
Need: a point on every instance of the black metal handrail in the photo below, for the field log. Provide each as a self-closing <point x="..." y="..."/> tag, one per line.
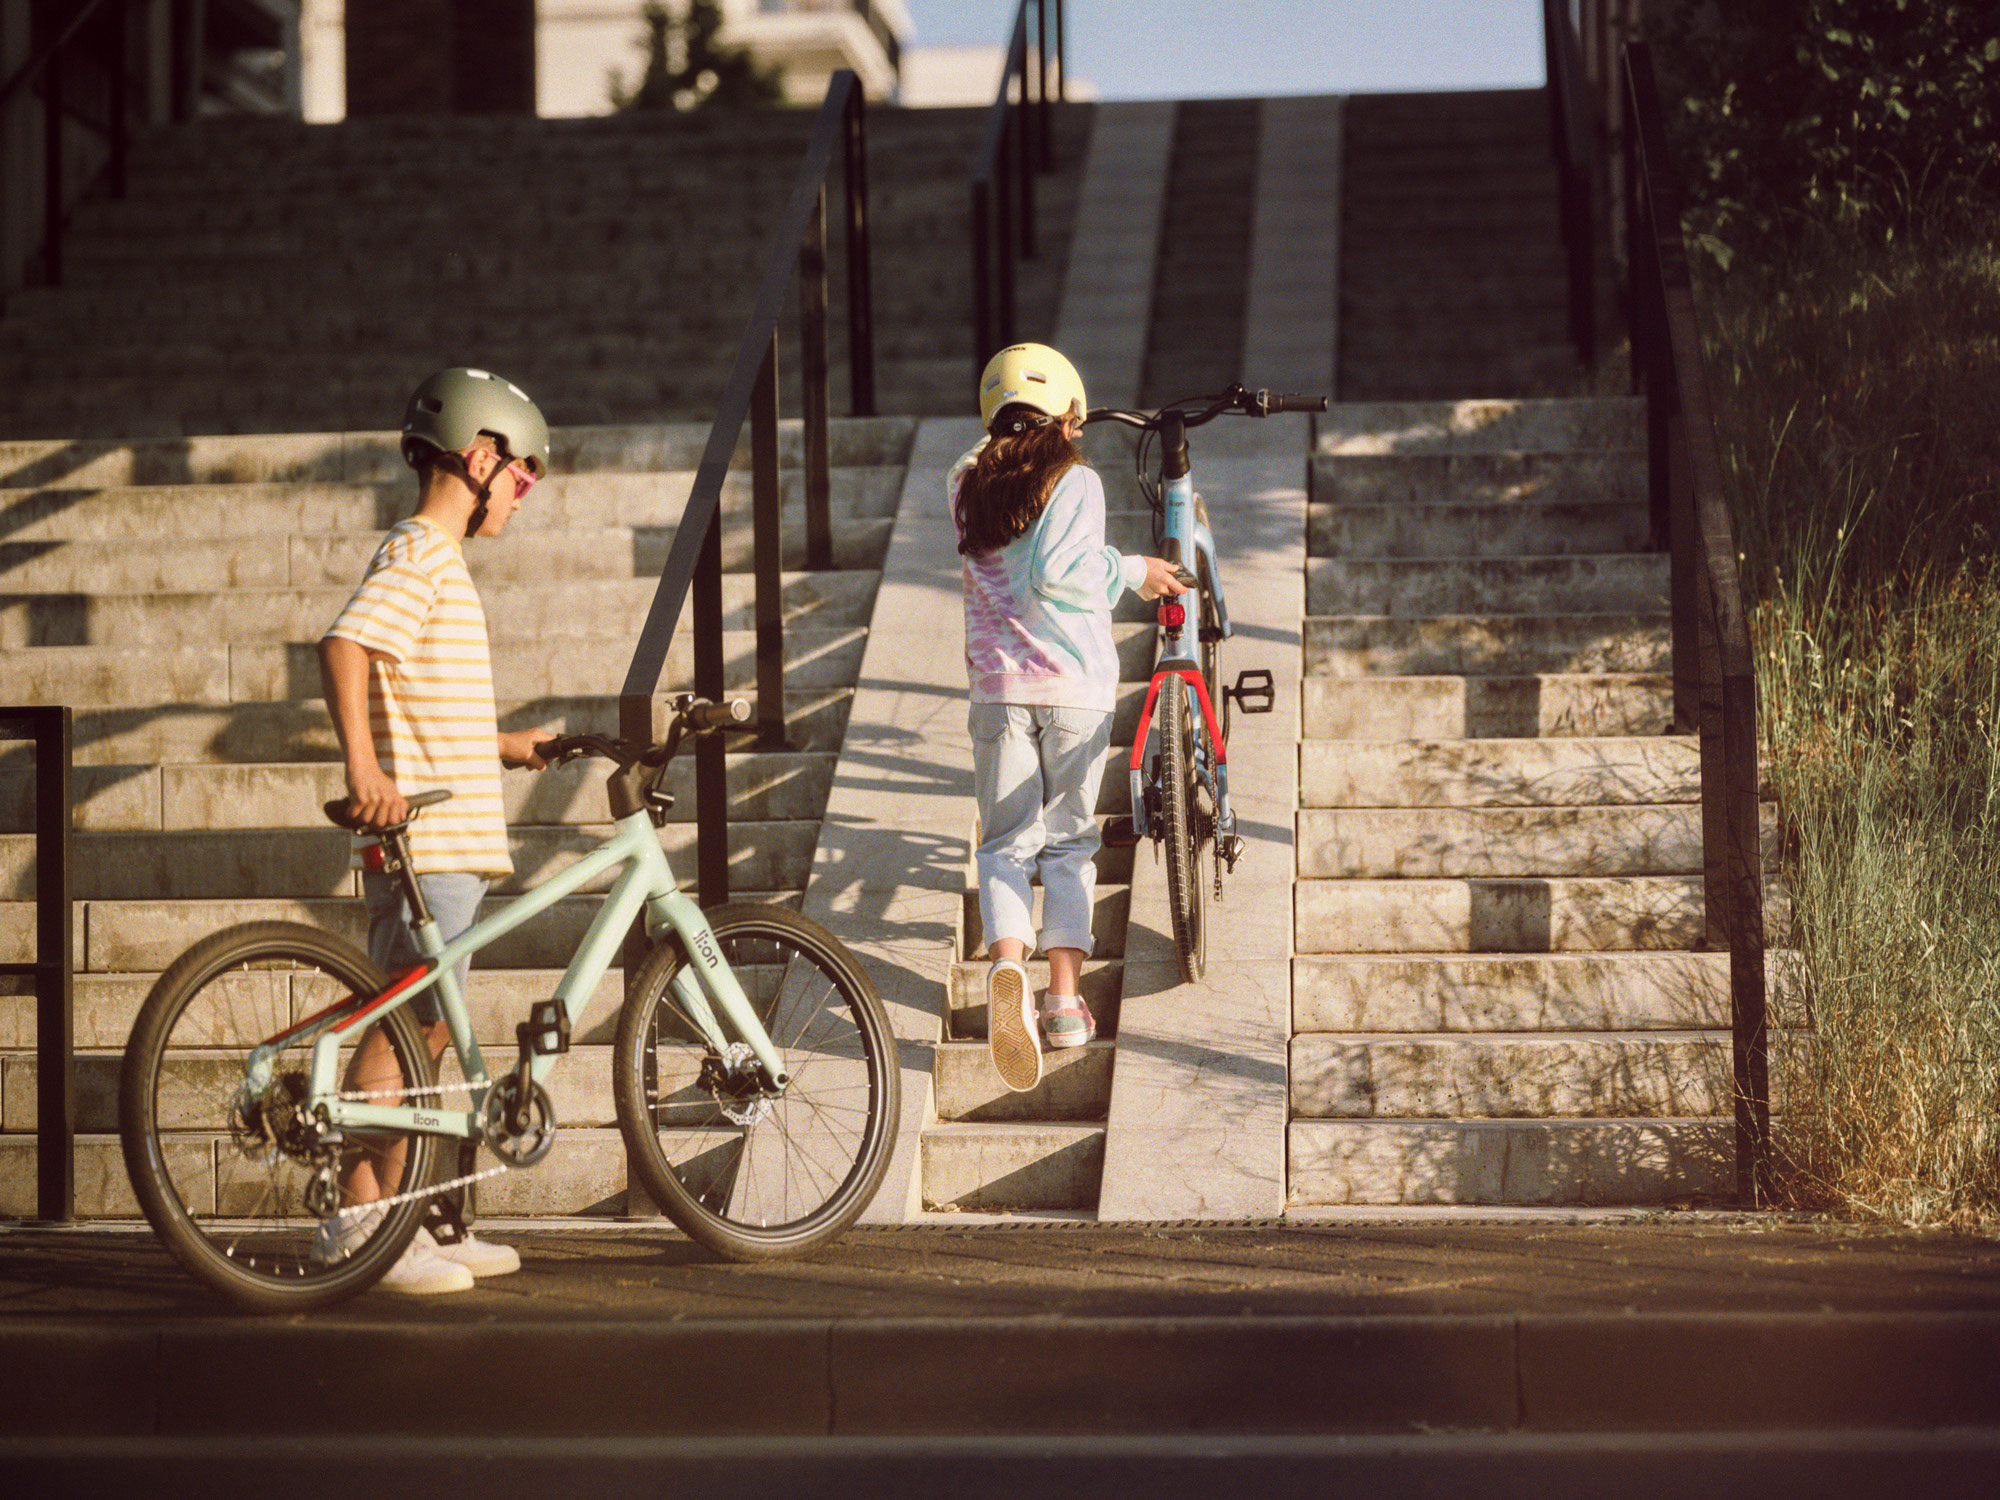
<point x="1018" y="144"/>
<point x="53" y="967"/>
<point x="694" y="562"/>
<point x="1576" y="130"/>
<point x="1715" y="686"/>
<point x="46" y="67"/>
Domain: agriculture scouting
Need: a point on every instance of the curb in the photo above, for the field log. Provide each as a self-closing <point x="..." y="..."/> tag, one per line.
<point x="1693" y="1372"/>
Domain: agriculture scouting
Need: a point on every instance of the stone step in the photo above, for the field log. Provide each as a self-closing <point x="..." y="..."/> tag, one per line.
<point x="1487" y="645"/>
<point x="1110" y="911"/>
<point x="1411" y="530"/>
<point x="1484" y="479"/>
<point x="1634" y="583"/>
<point x="194" y="732"/>
<point x="1568" y="1075"/>
<point x="252" y="673"/>
<point x="1491" y="772"/>
<point x="246" y="864"/>
<point x="1102" y="982"/>
<point x="212" y="565"/>
<point x="764" y="786"/>
<point x="1503" y="992"/>
<point x="1483" y="843"/>
<point x="1075" y="1086"/>
<point x="1544" y="363"/>
<point x="373" y="457"/>
<point x="579" y="1089"/>
<point x="107" y="1005"/>
<point x="515" y="612"/>
<point x="1550" y="915"/>
<point x="308" y="508"/>
<point x="1012" y="1166"/>
<point x="144" y="936"/>
<point x="1482" y="426"/>
<point x="1454" y="708"/>
<point x="1516" y="1162"/>
<point x="1487" y="709"/>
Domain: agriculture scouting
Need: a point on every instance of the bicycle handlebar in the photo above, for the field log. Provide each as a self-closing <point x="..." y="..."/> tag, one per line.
<point x="1196" y="410"/>
<point x="692" y="716"/>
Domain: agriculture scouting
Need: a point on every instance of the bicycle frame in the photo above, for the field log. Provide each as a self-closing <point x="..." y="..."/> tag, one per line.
<point x="1183" y="536"/>
<point x="645" y="881"/>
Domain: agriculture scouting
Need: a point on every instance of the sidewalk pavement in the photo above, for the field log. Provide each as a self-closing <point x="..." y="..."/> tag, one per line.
<point x="1499" y="1323"/>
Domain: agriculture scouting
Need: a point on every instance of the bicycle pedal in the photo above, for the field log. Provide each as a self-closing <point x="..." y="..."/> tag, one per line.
<point x="1255" y="692"/>
<point x="1120" y="833"/>
<point x="546" y="1031"/>
<point x="1231" y="850"/>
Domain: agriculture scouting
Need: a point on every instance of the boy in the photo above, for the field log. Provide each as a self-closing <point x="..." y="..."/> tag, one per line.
<point x="408" y="678"/>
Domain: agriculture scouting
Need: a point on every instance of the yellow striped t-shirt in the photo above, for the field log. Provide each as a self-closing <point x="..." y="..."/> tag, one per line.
<point x="430" y="694"/>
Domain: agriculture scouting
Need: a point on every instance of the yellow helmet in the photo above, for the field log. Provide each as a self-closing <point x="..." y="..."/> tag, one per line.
<point x="1031" y="375"/>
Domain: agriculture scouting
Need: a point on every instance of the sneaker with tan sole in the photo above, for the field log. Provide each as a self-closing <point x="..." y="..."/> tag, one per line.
<point x="478" y="1256"/>
<point x="1012" y="1037"/>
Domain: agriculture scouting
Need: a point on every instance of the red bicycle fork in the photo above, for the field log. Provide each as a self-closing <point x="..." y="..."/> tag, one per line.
<point x="1183" y="670"/>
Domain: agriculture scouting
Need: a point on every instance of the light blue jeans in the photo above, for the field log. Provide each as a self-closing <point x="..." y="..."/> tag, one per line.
<point x="1035" y="772"/>
<point x="453" y="897"/>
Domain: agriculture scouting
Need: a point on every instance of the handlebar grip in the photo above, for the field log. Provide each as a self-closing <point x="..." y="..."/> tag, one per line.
<point x="729" y="713"/>
<point x="1272" y="402"/>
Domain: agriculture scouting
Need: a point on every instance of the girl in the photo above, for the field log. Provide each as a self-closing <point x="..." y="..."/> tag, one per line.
<point x="1039" y="586"/>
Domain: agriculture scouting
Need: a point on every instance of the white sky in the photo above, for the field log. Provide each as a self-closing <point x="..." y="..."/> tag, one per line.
<point x="1184" y="49"/>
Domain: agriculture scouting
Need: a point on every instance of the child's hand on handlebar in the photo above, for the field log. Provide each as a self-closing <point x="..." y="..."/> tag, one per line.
<point x="521" y="749"/>
<point x="1162" y="577"/>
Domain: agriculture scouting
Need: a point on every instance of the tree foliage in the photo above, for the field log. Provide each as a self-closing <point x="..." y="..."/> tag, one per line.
<point x="1872" y="116"/>
<point x="688" y="68"/>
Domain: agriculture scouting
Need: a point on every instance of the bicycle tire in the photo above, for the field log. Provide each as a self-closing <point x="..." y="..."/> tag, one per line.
<point x="794" y="1178"/>
<point x="1181" y="826"/>
<point x="221" y="1177"/>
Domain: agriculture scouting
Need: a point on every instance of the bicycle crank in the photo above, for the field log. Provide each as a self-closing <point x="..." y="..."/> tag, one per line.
<point x="524" y="1147"/>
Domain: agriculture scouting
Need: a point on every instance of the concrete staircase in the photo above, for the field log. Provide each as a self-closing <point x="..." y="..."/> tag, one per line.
<point x="1486" y="837"/>
<point x="178" y="618"/>
<point x="270" y="276"/>
<point x="1453" y="282"/>
<point x="1496" y="997"/>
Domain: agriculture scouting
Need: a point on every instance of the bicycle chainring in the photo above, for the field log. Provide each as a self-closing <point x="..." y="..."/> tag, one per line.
<point x="532" y="1143"/>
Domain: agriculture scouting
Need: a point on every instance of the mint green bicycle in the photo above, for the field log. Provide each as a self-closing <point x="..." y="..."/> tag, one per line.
<point x="754" y="1070"/>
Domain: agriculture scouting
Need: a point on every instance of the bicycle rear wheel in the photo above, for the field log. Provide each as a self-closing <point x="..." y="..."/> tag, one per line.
<point x="756" y="1177"/>
<point x="1186" y="827"/>
<point x="222" y="1166"/>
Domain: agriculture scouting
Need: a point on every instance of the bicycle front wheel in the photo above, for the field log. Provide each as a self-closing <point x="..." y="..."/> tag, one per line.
<point x="1185" y="826"/>
<point x="750" y="1175"/>
<point x="226" y="1164"/>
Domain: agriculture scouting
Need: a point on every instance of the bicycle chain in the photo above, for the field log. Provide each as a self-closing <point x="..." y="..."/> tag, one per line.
<point x="353" y="1095"/>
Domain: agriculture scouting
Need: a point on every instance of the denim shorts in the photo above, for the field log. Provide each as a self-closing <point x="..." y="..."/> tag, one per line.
<point x="453" y="897"/>
<point x="1036" y="772"/>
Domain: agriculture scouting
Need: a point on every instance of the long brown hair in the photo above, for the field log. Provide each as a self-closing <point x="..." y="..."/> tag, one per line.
<point x="1009" y="483"/>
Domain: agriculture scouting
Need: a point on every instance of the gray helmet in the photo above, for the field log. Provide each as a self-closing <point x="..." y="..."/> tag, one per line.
<point x="450" y="409"/>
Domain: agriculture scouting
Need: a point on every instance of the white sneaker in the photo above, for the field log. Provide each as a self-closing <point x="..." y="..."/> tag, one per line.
<point x="422" y="1272"/>
<point x="341" y="1234"/>
<point x="476" y="1255"/>
<point x="1012" y="1037"/>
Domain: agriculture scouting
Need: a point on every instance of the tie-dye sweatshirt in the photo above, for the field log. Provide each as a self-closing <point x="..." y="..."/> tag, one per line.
<point x="1038" y="610"/>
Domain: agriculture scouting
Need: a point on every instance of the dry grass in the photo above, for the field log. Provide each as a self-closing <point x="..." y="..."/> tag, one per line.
<point x="1860" y="402"/>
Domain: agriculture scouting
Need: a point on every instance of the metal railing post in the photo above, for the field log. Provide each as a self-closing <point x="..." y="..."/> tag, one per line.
<point x="766" y="503"/>
<point x="711" y="770"/>
<point x="52" y="970"/>
<point x="860" y="275"/>
<point x="813" y="384"/>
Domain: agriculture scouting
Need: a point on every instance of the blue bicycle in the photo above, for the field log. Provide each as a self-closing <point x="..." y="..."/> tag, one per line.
<point x="1180" y="757"/>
